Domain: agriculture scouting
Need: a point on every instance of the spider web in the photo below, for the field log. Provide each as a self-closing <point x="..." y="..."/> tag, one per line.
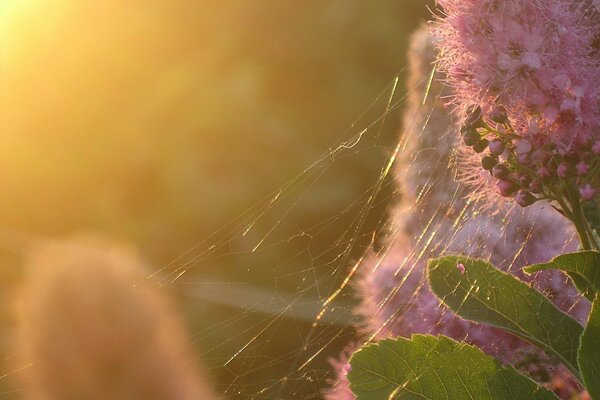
<point x="369" y="283"/>
<point x="312" y="304"/>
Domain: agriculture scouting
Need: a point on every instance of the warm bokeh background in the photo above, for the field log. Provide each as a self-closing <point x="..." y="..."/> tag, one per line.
<point x="159" y="123"/>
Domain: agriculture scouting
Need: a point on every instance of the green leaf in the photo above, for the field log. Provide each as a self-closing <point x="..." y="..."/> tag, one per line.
<point x="477" y="291"/>
<point x="583" y="267"/>
<point x="589" y="352"/>
<point x="435" y="368"/>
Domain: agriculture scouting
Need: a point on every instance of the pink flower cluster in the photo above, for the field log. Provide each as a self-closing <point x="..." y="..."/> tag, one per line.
<point x="525" y="78"/>
<point x="434" y="218"/>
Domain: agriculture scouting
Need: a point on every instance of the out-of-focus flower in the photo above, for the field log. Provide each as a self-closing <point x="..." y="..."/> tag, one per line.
<point x="92" y="327"/>
<point x="588" y="192"/>
<point x="340" y="386"/>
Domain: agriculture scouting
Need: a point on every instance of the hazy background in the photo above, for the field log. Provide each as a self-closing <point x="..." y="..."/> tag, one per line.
<point x="158" y="123"/>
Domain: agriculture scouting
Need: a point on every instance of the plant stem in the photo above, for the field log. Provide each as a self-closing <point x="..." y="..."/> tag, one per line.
<point x="578" y="218"/>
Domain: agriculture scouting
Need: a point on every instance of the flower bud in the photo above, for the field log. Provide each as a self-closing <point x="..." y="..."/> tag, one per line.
<point x="500" y="171"/>
<point x="497" y="147"/>
<point x="474" y="117"/>
<point x="470" y="136"/>
<point x="596" y="147"/>
<point x="498" y="115"/>
<point x="524" y="198"/>
<point x="544" y="173"/>
<point x="481" y="145"/>
<point x="525" y="181"/>
<point x="536" y="187"/>
<point x="506" y="187"/>
<point x="582" y="168"/>
<point x="587" y="192"/>
<point x="539" y="156"/>
<point x="562" y="170"/>
<point x="524" y="159"/>
<point x="489" y="162"/>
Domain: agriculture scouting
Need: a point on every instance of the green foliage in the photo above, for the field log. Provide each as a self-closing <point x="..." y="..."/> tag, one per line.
<point x="426" y="367"/>
<point x="482" y="293"/>
<point x="589" y="352"/>
<point x="582" y="267"/>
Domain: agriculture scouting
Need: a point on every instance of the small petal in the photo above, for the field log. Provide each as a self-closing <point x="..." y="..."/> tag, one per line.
<point x="532" y="60"/>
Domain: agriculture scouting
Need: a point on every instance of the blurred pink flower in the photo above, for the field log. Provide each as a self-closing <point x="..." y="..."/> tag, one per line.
<point x="340" y="386"/>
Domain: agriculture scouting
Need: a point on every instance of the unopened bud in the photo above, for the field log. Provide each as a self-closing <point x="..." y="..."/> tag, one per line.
<point x="587" y="192"/>
<point x="536" y="187"/>
<point x="497" y="147"/>
<point x="582" y="168"/>
<point x="544" y="173"/>
<point x="524" y="159"/>
<point x="506" y="187"/>
<point x="500" y="171"/>
<point x="480" y="146"/>
<point x="525" y="181"/>
<point x="470" y="136"/>
<point x="525" y="199"/>
<point x="562" y="170"/>
<point x="474" y="116"/>
<point x="489" y="162"/>
<point x="498" y="115"/>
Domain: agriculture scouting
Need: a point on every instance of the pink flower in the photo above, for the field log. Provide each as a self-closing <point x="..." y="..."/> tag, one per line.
<point x="434" y="219"/>
<point x="587" y="192"/>
<point x="544" y="173"/>
<point x="582" y="168"/>
<point x="535" y="60"/>
<point x="531" y="57"/>
<point x="562" y="170"/>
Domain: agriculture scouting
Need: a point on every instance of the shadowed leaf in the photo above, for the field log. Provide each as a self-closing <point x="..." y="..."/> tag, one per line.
<point x="589" y="352"/>
<point x="477" y="291"/>
<point x="435" y="368"/>
<point x="583" y="267"/>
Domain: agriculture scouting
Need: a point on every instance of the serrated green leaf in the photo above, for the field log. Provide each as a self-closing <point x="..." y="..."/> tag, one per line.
<point x="589" y="352"/>
<point x="435" y="368"/>
<point x="477" y="291"/>
<point x="583" y="267"/>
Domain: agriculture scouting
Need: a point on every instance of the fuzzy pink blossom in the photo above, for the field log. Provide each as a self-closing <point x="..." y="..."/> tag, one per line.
<point x="340" y="386"/>
<point x="532" y="57"/>
<point x="582" y="168"/>
<point x="587" y="192"/>
<point x="562" y="170"/>
<point x="537" y="62"/>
